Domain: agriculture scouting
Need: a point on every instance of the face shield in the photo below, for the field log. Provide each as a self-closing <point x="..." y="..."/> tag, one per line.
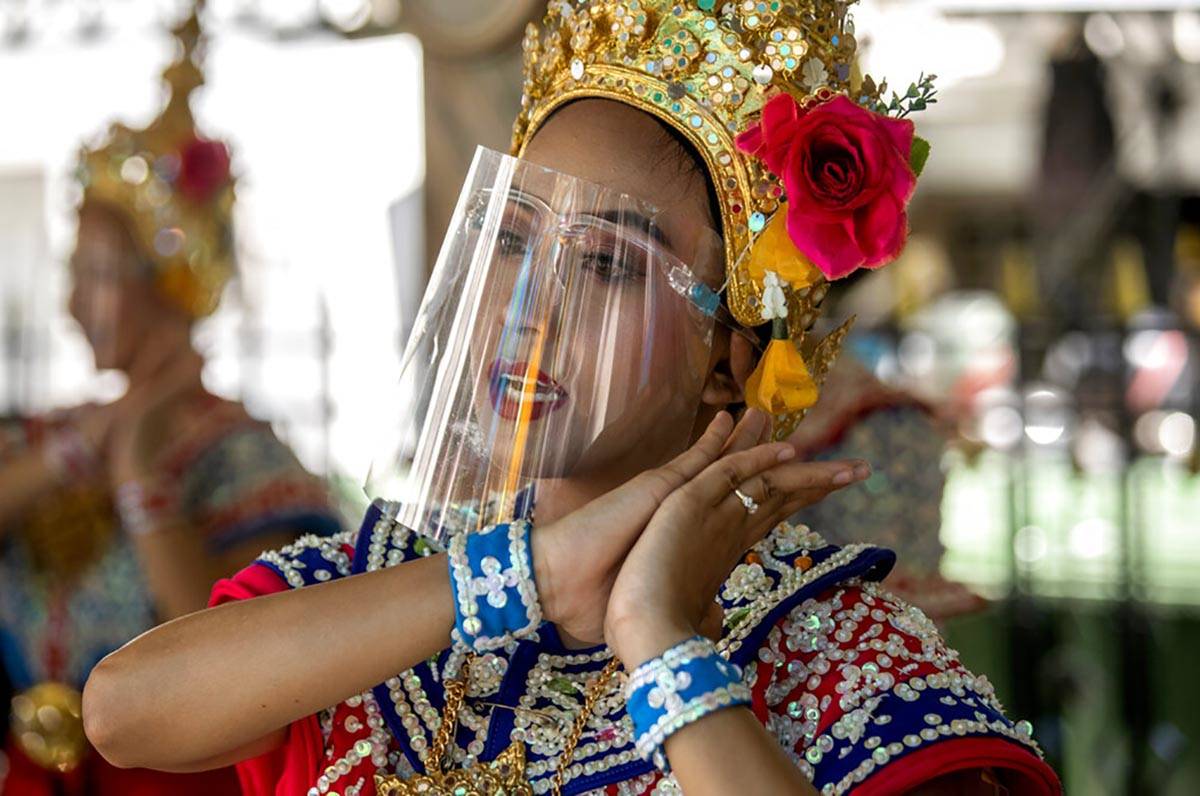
<point x="564" y="338"/>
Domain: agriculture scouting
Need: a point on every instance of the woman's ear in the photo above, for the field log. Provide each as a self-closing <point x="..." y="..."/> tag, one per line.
<point x="733" y="363"/>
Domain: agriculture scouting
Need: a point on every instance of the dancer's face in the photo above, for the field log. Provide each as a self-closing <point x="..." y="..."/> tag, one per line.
<point x="628" y="151"/>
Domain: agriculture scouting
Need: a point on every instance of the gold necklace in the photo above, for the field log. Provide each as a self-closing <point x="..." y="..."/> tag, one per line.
<point x="504" y="776"/>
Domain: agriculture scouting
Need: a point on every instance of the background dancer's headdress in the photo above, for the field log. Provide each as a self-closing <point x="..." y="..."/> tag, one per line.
<point x="813" y="167"/>
<point x="173" y="185"/>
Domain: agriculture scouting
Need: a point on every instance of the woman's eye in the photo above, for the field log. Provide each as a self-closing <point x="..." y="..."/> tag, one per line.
<point x="602" y="265"/>
<point x="510" y="243"/>
<point x="609" y="267"/>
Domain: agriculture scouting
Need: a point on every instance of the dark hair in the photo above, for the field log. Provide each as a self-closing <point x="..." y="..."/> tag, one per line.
<point x="685" y="157"/>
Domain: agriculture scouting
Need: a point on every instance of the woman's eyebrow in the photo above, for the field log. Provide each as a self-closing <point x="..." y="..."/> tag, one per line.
<point x="637" y="220"/>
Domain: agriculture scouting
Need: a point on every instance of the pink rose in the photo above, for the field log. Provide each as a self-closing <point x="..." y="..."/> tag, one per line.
<point x="203" y="169"/>
<point x="848" y="179"/>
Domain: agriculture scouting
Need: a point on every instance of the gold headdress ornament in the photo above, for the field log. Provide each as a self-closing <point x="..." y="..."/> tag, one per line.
<point x="710" y="69"/>
<point x="173" y="186"/>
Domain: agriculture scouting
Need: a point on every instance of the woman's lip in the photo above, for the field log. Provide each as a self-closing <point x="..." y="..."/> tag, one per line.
<point x="508" y="389"/>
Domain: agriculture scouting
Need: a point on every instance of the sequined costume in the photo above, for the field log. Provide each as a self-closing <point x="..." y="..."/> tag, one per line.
<point x="72" y="589"/>
<point x="854" y="683"/>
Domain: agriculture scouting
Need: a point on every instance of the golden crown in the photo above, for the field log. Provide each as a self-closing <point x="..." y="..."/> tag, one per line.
<point x="173" y="186"/>
<point x="709" y="69"/>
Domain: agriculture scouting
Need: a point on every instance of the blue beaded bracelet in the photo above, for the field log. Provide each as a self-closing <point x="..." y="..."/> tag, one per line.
<point x="495" y="600"/>
<point x="683" y="685"/>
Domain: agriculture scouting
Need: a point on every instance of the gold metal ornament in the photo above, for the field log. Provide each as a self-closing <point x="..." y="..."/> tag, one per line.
<point x="47" y="725"/>
<point x="504" y="776"/>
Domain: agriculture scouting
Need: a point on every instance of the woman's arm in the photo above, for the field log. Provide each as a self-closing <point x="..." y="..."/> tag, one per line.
<point x="180" y="571"/>
<point x="703" y="758"/>
<point x="208" y="688"/>
<point x="241" y="673"/>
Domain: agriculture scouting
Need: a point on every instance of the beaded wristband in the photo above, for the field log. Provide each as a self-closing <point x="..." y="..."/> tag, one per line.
<point x="495" y="599"/>
<point x="683" y="685"/>
<point x="143" y="508"/>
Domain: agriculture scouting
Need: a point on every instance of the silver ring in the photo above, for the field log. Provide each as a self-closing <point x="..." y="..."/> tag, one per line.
<point x="747" y="501"/>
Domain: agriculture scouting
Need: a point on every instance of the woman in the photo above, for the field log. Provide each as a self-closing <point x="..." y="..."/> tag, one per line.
<point x="114" y="518"/>
<point x="582" y="658"/>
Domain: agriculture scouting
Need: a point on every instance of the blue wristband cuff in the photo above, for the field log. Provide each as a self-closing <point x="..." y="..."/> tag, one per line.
<point x="682" y="686"/>
<point x="495" y="599"/>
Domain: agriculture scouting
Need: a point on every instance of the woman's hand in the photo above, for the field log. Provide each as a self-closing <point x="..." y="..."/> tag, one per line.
<point x="578" y="557"/>
<point x="668" y="581"/>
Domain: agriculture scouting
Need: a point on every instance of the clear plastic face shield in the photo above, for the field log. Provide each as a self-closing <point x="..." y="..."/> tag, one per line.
<point x="564" y="338"/>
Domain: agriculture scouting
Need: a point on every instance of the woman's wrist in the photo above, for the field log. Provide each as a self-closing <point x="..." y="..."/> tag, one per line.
<point x="640" y="638"/>
<point x="145" y="506"/>
<point x="543" y="552"/>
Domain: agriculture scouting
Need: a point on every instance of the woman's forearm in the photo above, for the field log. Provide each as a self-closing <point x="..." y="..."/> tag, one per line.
<point x="207" y="684"/>
<point x="177" y="568"/>
<point x="731" y="752"/>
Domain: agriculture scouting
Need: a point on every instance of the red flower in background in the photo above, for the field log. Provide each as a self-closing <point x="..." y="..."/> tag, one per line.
<point x="848" y="179"/>
<point x="203" y="169"/>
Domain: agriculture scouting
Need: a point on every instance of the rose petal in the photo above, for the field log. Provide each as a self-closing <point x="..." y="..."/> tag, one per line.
<point x="779" y="111"/>
<point x="902" y="182"/>
<point x="901" y="132"/>
<point x="801" y="199"/>
<point x="881" y="229"/>
<point x="751" y="141"/>
<point x="830" y="246"/>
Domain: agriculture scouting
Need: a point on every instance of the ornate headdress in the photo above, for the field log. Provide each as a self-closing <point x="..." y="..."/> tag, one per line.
<point x="813" y="168"/>
<point x="173" y="186"/>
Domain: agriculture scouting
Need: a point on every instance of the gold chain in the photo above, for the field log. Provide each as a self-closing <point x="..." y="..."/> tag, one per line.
<point x="594" y="692"/>
<point x="456" y="690"/>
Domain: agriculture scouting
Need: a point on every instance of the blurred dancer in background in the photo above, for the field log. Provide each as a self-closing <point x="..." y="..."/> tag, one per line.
<point x="899" y="507"/>
<point x="114" y="518"/>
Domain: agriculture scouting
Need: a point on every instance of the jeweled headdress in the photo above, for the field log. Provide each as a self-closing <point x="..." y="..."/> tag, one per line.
<point x="813" y="168"/>
<point x="174" y="187"/>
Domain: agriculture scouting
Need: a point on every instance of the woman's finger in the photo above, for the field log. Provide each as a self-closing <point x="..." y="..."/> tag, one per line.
<point x="781" y="514"/>
<point x="768" y="427"/>
<point x="749" y="432"/>
<point x="727" y="473"/>
<point x="774" y="491"/>
<point x="701" y="454"/>
<point x="791" y="478"/>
